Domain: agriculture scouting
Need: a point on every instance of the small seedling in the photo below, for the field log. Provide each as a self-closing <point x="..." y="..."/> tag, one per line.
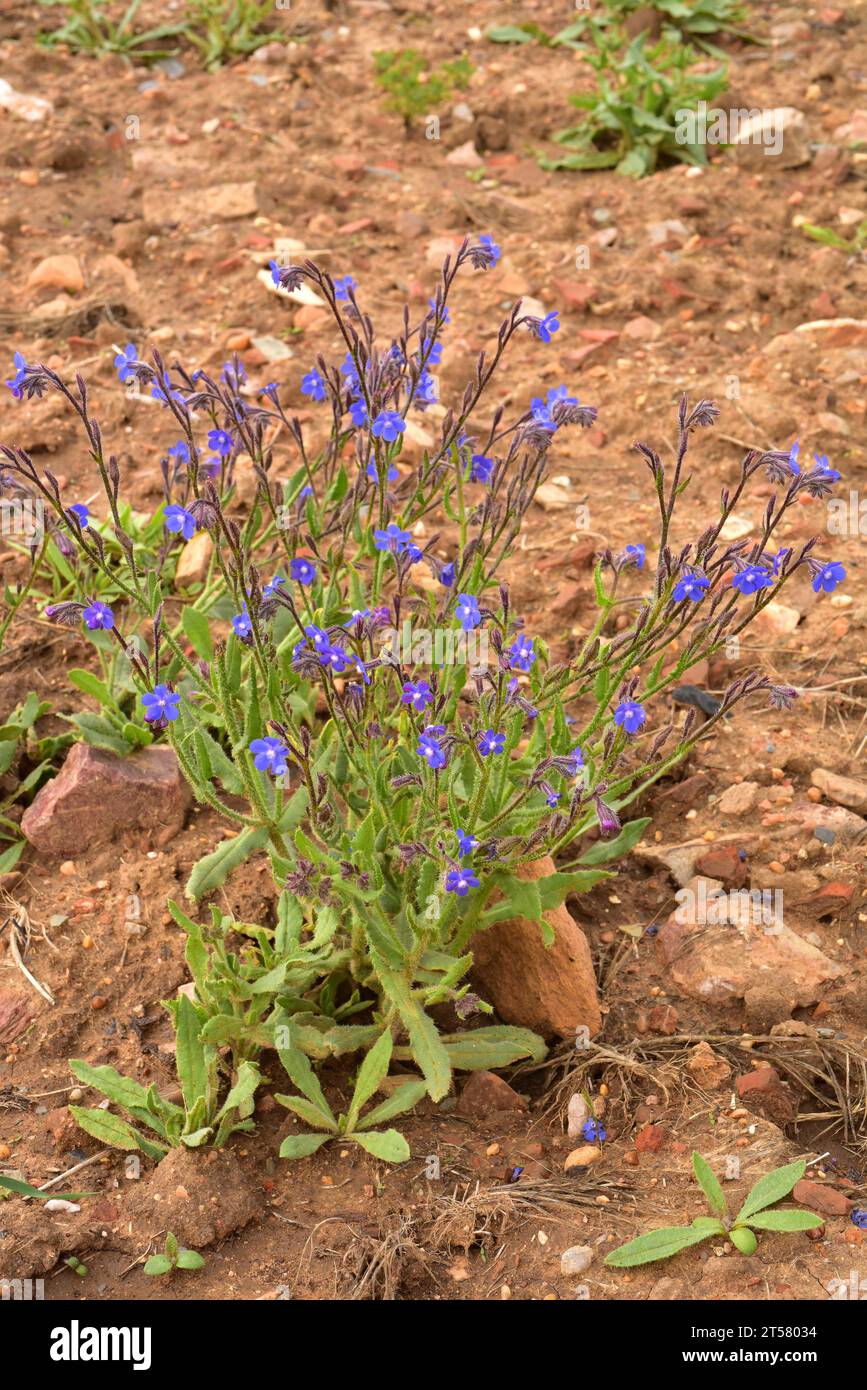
<point x="670" y="1240"/>
<point x="388" y="1145"/>
<point x="174" y="1257"/>
<point x="414" y="89"/>
<point x="76" y="1266"/>
<point x="828" y="237"/>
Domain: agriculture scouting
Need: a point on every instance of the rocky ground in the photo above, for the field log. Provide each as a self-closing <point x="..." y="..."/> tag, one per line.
<point x="142" y="207"/>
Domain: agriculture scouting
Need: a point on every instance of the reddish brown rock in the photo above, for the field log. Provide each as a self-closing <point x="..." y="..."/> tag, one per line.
<point x="650" y="1139"/>
<point x="486" y="1093"/>
<point x="96" y="795"/>
<point x="16" y="1011"/>
<point x="707" y="1068"/>
<point x="725" y="864"/>
<point x="762" y="1090"/>
<point x="551" y="990"/>
<point x="826" y="1200"/>
<point x="663" y="1019"/>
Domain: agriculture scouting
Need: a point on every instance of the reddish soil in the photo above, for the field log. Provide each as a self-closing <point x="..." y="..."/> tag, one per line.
<point x="644" y="322"/>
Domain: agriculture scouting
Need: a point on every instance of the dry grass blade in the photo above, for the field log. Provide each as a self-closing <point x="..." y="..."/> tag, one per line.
<point x="20" y="931"/>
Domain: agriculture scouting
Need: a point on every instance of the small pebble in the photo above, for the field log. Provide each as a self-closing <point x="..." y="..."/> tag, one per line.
<point x="67" y="868"/>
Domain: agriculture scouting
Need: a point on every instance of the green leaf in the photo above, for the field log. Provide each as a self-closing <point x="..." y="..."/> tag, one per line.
<point x="91" y="685"/>
<point x="120" y="1089"/>
<point x="784" y="1221"/>
<point x="158" y="1264"/>
<point x="99" y="733"/>
<point x="243" y="1090"/>
<point x="508" y="33"/>
<point x="404" y="1098"/>
<point x="656" y="1245"/>
<point x="771" y="1188"/>
<point x="197" y="1138"/>
<point x="302" y="1075"/>
<point x="16" y="1185"/>
<point x="198" y="629"/>
<point x="300" y="1145"/>
<point x="709" y="1185"/>
<point x="554" y="889"/>
<point x="424" y="1039"/>
<point x="190" y="1259"/>
<point x="387" y="1145"/>
<point x="488" y="1049"/>
<point x="9" y="858"/>
<point x="213" y="869"/>
<point x="606" y="850"/>
<point x="307" y="1111"/>
<point x="112" y="1130"/>
<point x="190" y="1055"/>
<point x="372" y="1070"/>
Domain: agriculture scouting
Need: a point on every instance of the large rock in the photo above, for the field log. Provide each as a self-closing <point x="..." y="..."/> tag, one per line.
<point x="551" y="990"/>
<point x="174" y="207"/>
<point x="846" y="791"/>
<point x="720" y="962"/>
<point x="780" y="134"/>
<point x="95" y="795"/>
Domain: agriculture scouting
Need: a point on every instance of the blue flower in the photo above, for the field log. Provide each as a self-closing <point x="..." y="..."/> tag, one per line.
<point x="358" y="411"/>
<point x="164" y="391"/>
<point x="552" y="798"/>
<point x="546" y="328"/>
<point x="466" y="841"/>
<point x="829" y="474"/>
<point x="161" y="704"/>
<point x="778" y="560"/>
<point x="559" y="395"/>
<point x="630" y="716"/>
<point x="751" y="579"/>
<point x="82" y="511"/>
<point x="388" y="425"/>
<point x="123" y="363"/>
<point x="793" y="456"/>
<point x="392" y="538"/>
<point x="372" y="471"/>
<point x="241" y="625"/>
<point x="312" y="385"/>
<point x="336" y="659"/>
<point x="412" y="552"/>
<point x="20" y="365"/>
<point x="221" y="442"/>
<point x="350" y="371"/>
<point x="98" y="615"/>
<point x="521" y="654"/>
<point x="273" y="585"/>
<point x="467" y="612"/>
<point x="275" y="269"/>
<point x="691" y="586"/>
<point x="269" y="755"/>
<point x="431" y="352"/>
<point x="481" y="469"/>
<point x="592" y="1129"/>
<point x="416" y="693"/>
<point x="858" y="1217"/>
<point x="460" y="881"/>
<point x="317" y="637"/>
<point x="342" y="285"/>
<point x="637" y="556"/>
<point x="828" y="577"/>
<point x="542" y="414"/>
<point x="429" y="749"/>
<point x="302" y="571"/>
<point x="234" y="376"/>
<point x="447" y="575"/>
<point x="574" y="761"/>
<point x="179" y="520"/>
<point x="425" y="391"/>
<point x="180" y="451"/>
<point x="445" y="311"/>
<point x="491" y="742"/>
<point x="491" y="246"/>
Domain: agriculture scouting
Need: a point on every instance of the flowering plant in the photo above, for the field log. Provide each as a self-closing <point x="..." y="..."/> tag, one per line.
<point x="373" y="716"/>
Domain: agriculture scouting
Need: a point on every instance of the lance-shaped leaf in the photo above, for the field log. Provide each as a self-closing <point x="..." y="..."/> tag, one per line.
<point x="300" y="1145"/>
<point x="488" y="1049"/>
<point x="605" y="850"/>
<point x="404" y="1098"/>
<point x="709" y="1185"/>
<point x="190" y="1055"/>
<point x="302" y="1075"/>
<point x="658" y="1245"/>
<point x="784" y="1221"/>
<point x="371" y="1072"/>
<point x="771" y="1188"/>
<point x="424" y="1039"/>
<point x="387" y="1145"/>
<point x="213" y="869"/>
<point x="114" y="1131"/>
